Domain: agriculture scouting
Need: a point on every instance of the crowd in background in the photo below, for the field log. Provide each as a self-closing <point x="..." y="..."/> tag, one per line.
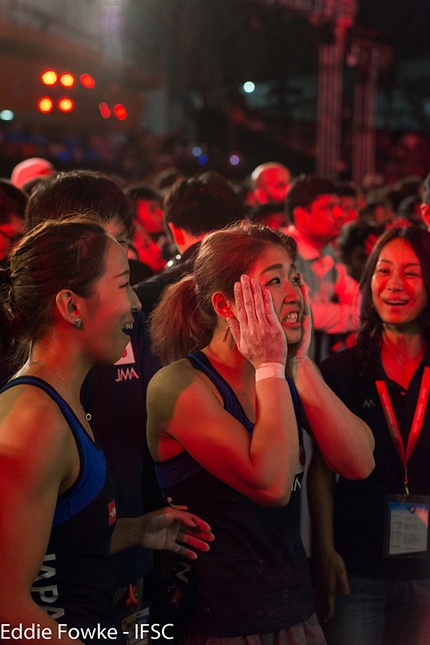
<point x="161" y="214"/>
<point x="134" y="154"/>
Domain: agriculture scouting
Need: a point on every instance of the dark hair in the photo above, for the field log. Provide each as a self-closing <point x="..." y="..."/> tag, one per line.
<point x="76" y="192"/>
<point x="166" y="178"/>
<point x="306" y="189"/>
<point x="184" y="320"/>
<point x="202" y="203"/>
<point x="142" y="190"/>
<point x="55" y="255"/>
<point x="262" y="213"/>
<point x="426" y="190"/>
<point x="371" y="328"/>
<point x="356" y="234"/>
<point x="12" y="201"/>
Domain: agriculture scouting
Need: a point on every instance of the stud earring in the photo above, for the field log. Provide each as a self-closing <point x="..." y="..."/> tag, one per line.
<point x="78" y="322"/>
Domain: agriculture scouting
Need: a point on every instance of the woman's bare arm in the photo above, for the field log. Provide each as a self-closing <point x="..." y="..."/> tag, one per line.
<point x="35" y="463"/>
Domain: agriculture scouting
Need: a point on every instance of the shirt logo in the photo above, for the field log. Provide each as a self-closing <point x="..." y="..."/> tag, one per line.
<point x="369" y="403"/>
<point x="112" y="512"/>
<point x="127" y="357"/>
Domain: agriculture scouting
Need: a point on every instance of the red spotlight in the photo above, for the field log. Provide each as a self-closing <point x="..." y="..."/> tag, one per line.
<point x="49" y="77"/>
<point x="104" y="110"/>
<point x="67" y="80"/>
<point x="87" y="81"/>
<point x="120" y="112"/>
<point x="45" y="104"/>
<point x="66" y="105"/>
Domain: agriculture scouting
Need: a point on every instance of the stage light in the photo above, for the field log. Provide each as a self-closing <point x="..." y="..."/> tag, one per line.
<point x="120" y="112"/>
<point x="67" y="79"/>
<point x="104" y="110"/>
<point x="65" y="104"/>
<point x="7" y="115"/>
<point x="45" y="104"/>
<point x="87" y="81"/>
<point x="234" y="160"/>
<point x="49" y="77"/>
<point x="248" y="87"/>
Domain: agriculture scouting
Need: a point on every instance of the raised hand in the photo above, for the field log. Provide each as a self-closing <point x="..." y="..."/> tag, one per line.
<point x="256" y="329"/>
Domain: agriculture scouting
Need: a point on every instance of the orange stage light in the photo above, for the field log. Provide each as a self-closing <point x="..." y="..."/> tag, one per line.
<point x="66" y="105"/>
<point x="49" y="77"/>
<point x="45" y="104"/>
<point x="67" y="80"/>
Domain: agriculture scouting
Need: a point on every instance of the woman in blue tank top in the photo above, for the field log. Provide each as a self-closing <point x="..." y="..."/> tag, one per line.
<point x="224" y="426"/>
<point x="66" y="305"/>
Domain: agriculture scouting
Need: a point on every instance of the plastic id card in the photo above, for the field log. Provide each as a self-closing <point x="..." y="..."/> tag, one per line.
<point x="406" y="525"/>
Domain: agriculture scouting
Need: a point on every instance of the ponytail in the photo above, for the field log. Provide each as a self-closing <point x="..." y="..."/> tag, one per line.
<point x="179" y="326"/>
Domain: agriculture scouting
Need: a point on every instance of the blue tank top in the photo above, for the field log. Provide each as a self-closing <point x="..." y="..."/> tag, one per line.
<point x="75" y="583"/>
<point x="255" y="578"/>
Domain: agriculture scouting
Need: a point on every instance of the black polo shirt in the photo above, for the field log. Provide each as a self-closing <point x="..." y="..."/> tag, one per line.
<point x="360" y="505"/>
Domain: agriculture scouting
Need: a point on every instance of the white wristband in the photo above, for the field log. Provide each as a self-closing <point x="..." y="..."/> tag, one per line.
<point x="267" y="370"/>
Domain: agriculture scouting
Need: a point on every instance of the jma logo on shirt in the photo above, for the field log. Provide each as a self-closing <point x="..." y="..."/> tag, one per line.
<point x="127" y="373"/>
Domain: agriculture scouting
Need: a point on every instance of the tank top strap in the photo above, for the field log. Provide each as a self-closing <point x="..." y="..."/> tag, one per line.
<point x="92" y="472"/>
<point x="69" y="415"/>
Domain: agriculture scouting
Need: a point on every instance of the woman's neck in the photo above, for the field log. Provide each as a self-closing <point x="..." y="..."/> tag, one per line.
<point x="408" y="344"/>
<point x="401" y="354"/>
<point x="222" y="349"/>
<point x="62" y="359"/>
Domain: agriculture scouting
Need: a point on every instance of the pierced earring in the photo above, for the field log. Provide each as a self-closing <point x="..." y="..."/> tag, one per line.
<point x="78" y="322"/>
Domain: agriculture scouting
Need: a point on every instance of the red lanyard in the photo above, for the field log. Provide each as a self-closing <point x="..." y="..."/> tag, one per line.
<point x="417" y="422"/>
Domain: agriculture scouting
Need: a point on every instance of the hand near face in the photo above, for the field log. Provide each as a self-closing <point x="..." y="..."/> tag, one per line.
<point x="300" y="350"/>
<point x="256" y="328"/>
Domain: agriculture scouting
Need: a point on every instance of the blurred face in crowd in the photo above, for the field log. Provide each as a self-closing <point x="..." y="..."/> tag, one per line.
<point x="150" y="215"/>
<point x="349" y="206"/>
<point x="321" y="222"/>
<point x="10" y="234"/>
<point x="272" y="184"/>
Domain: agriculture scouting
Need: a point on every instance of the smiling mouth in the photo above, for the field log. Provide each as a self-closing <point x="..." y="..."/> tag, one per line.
<point x="128" y="327"/>
<point x="395" y="303"/>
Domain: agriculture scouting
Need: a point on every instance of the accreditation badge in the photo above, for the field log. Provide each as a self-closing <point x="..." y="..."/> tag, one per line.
<point x="406" y="525"/>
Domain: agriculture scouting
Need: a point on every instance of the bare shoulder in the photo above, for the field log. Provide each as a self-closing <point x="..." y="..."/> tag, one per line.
<point x="173" y="377"/>
<point x="178" y="380"/>
<point x="33" y="432"/>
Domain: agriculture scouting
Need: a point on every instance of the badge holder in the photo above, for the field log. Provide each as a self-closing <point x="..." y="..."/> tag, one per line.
<point x="406" y="526"/>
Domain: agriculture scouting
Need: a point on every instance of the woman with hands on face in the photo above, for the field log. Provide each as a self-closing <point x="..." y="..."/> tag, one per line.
<point x="224" y="428"/>
<point x="65" y="305"/>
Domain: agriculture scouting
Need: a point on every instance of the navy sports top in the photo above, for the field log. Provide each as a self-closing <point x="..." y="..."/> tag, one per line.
<point x="75" y="583"/>
<point x="255" y="578"/>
